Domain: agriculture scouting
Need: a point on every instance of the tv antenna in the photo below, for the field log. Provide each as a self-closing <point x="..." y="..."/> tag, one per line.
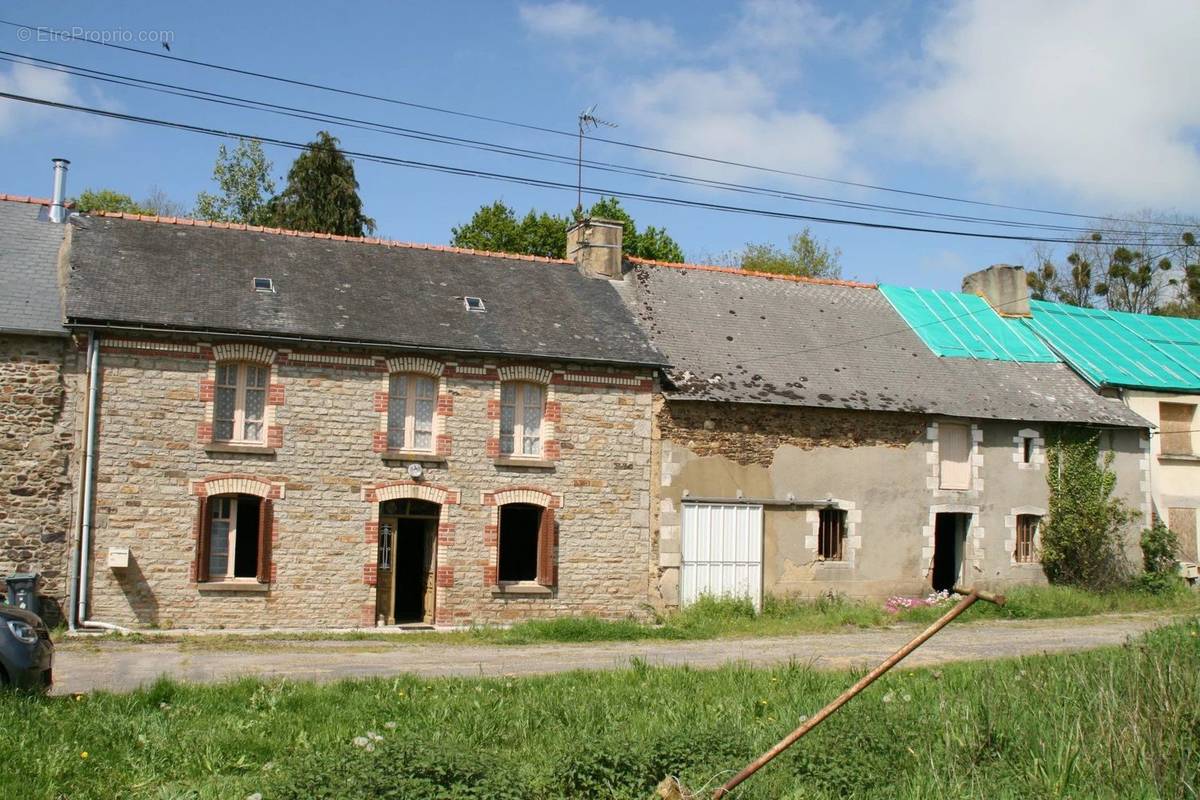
<point x="587" y="119"/>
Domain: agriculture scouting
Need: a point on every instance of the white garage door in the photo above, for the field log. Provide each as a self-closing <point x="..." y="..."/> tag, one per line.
<point x="722" y="551"/>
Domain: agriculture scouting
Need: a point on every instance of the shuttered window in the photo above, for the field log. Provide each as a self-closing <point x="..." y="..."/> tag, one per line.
<point x="233" y="540"/>
<point x="954" y="450"/>
<point x="1175" y="422"/>
<point x="528" y="544"/>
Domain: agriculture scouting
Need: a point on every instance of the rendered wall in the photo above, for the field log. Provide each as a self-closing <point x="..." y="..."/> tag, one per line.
<point x="1174" y="480"/>
<point x="882" y="468"/>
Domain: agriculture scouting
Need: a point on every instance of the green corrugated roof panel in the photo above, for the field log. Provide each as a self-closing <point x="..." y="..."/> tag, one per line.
<point x="1121" y="349"/>
<point x="956" y="325"/>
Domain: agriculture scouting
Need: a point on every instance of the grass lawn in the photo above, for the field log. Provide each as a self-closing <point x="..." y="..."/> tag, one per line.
<point x="709" y="619"/>
<point x="1120" y="722"/>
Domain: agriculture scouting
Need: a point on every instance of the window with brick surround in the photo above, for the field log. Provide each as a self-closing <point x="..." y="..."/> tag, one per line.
<point x="526" y="545"/>
<point x="831" y="538"/>
<point x="240" y="402"/>
<point x="1175" y="427"/>
<point x="411" y="403"/>
<point x="1027" y="526"/>
<point x="234" y="540"/>
<point x="521" y="408"/>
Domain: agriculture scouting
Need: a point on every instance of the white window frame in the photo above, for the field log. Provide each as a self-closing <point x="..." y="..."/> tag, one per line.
<point x="411" y="398"/>
<point x="240" y="386"/>
<point x="231" y="518"/>
<point x="520" y="406"/>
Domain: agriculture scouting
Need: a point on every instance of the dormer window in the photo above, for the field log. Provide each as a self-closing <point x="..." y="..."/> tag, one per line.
<point x="264" y="285"/>
<point x="474" y="304"/>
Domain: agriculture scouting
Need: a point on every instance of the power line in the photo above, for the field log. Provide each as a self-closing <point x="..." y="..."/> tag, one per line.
<point x="67" y="35"/>
<point x="538" y="182"/>
<point x="413" y="133"/>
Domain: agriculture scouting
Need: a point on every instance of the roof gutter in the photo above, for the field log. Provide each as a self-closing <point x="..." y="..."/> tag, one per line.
<point x="762" y="501"/>
<point x="78" y="325"/>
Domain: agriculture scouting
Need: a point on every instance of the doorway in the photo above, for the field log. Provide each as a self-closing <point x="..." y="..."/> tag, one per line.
<point x="949" y="542"/>
<point x="405" y="578"/>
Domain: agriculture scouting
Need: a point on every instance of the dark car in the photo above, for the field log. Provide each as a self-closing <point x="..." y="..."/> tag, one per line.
<point x="26" y="653"/>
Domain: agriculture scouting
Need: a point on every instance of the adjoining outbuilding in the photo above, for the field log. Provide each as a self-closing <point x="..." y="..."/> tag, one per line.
<point x="811" y="442"/>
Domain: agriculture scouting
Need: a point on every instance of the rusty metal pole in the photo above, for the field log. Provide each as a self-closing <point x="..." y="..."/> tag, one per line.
<point x="969" y="598"/>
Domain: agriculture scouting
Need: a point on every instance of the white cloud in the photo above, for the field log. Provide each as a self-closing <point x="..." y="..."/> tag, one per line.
<point x="732" y="114"/>
<point x="26" y="80"/>
<point x="1097" y="98"/>
<point x="791" y="26"/>
<point x="573" y="22"/>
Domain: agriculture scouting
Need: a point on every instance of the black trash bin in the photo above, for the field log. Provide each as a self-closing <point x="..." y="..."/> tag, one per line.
<point x="22" y="591"/>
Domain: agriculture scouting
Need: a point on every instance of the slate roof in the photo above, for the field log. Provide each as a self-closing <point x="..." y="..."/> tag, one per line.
<point x="730" y="336"/>
<point x="199" y="276"/>
<point x="30" y="301"/>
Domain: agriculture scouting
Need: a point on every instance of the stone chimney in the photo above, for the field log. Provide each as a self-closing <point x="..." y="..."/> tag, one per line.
<point x="595" y="247"/>
<point x="1004" y="288"/>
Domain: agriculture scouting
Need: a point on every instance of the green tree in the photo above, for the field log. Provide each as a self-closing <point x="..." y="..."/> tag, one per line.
<point x="806" y="256"/>
<point x="496" y="227"/>
<point x="243" y="176"/>
<point x="653" y="243"/>
<point x="321" y="193"/>
<point x="90" y="200"/>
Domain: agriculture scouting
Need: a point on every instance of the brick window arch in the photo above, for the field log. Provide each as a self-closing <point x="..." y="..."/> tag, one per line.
<point x="412" y="405"/>
<point x="525" y="411"/>
<point x="522" y="538"/>
<point x="235" y="530"/>
<point x="239" y="397"/>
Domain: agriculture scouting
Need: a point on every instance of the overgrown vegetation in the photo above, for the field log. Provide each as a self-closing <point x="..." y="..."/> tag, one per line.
<point x="711" y="618"/>
<point x="1083" y="541"/>
<point x="1160" y="562"/>
<point x="1112" y="723"/>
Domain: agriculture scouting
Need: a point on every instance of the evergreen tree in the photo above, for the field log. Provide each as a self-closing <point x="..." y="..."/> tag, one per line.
<point x="321" y="193"/>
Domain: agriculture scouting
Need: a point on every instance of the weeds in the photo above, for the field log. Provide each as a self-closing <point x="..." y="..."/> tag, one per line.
<point x="1111" y="723"/>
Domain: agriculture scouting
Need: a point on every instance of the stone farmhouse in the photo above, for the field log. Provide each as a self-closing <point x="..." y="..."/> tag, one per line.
<point x="212" y="425"/>
<point x="811" y="442"/>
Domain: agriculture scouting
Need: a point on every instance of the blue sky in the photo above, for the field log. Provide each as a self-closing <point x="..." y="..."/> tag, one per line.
<point x="1059" y="106"/>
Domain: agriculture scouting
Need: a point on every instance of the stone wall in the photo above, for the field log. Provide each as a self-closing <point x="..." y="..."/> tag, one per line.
<point x="882" y="469"/>
<point x="35" y="451"/>
<point x="327" y="475"/>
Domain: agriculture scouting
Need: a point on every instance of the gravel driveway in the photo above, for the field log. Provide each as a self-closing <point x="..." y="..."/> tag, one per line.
<point x="82" y="665"/>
